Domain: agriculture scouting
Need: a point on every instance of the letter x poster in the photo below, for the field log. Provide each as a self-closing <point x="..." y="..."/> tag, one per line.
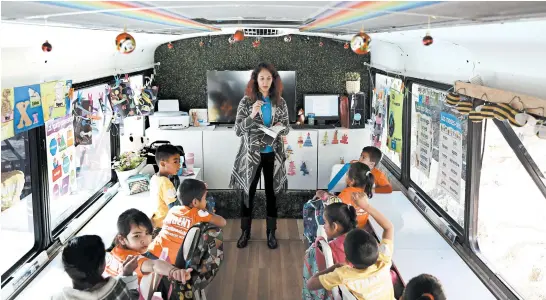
<point x="60" y="156"/>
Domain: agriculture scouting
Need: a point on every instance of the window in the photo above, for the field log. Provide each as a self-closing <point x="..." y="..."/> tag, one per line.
<point x="438" y="150"/>
<point x="511" y="227"/>
<point x="79" y="158"/>
<point x="387" y="111"/>
<point x="17" y="215"/>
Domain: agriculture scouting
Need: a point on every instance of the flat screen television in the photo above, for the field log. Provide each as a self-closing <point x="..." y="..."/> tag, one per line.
<point x="225" y="89"/>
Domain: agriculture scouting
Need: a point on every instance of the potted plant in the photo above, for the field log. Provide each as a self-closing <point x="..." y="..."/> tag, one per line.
<point x="128" y="164"/>
<point x="352" y="82"/>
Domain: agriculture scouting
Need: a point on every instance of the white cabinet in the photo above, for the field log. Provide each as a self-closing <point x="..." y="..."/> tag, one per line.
<point x="219" y="150"/>
<point x="301" y="162"/>
<point x="191" y="139"/>
<point x="349" y="145"/>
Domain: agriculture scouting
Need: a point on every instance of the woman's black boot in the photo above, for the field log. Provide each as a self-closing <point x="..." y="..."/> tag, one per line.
<point x="271" y="227"/>
<point x="245" y="235"/>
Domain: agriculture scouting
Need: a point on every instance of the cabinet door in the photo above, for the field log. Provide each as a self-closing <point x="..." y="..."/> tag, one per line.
<point x="301" y="162"/>
<point x="219" y="150"/>
<point x="190" y="140"/>
<point x="347" y="144"/>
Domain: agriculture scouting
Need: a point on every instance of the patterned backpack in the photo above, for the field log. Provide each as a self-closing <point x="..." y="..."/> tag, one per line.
<point x="314" y="262"/>
<point x="313" y="216"/>
<point x="203" y="251"/>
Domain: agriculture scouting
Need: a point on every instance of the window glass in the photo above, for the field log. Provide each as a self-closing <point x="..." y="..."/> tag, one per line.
<point x="387" y="111"/>
<point x="438" y="150"/>
<point x="17" y="215"/>
<point x="511" y="227"/>
<point x="79" y="161"/>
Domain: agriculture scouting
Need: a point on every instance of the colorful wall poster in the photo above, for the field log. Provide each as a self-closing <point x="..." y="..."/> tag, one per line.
<point x="7" y="113"/>
<point x="60" y="156"/>
<point x="451" y="155"/>
<point x="424" y="138"/>
<point x="28" y="108"/>
<point x="394" y="124"/>
<point x="54" y="99"/>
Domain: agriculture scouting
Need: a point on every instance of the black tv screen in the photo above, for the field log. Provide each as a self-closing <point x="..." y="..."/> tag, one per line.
<point x="225" y="89"/>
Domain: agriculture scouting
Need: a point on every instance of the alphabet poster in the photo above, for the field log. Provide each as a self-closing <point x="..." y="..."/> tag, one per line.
<point x="60" y="156"/>
<point x="394" y="124"/>
<point x="28" y="108"/>
<point x="451" y="154"/>
<point x="7" y="113"/>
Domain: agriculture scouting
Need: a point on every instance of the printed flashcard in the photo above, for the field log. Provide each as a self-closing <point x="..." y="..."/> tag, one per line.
<point x="54" y="99"/>
<point x="28" y="108"/>
<point x="7" y="113"/>
<point x="308" y="142"/>
<point x="291" y="168"/>
<point x="325" y="140"/>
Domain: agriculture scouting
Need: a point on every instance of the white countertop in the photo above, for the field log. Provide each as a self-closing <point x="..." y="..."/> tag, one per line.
<point x="419" y="248"/>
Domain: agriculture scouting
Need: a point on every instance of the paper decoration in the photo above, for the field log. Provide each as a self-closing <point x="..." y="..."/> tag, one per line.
<point x="325" y="139"/>
<point x="345" y="139"/>
<point x="335" y="140"/>
<point x="28" y="108"/>
<point x="54" y="96"/>
<point x="451" y="155"/>
<point x="300" y="141"/>
<point x="308" y="142"/>
<point x="303" y="169"/>
<point x="60" y="156"/>
<point x="7" y="113"/>
<point x="291" y="169"/>
<point x="284" y="140"/>
<point x="424" y="138"/>
<point x="289" y="152"/>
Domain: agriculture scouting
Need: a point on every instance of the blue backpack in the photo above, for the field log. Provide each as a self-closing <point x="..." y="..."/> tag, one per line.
<point x="314" y="262"/>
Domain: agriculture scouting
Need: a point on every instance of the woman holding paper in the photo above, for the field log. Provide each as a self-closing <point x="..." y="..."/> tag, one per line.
<point x="262" y="106"/>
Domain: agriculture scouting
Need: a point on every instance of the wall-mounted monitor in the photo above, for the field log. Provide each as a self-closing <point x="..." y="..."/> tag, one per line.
<point x="225" y="89"/>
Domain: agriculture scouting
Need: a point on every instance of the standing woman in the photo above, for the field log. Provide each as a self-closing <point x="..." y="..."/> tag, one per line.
<point x="262" y="104"/>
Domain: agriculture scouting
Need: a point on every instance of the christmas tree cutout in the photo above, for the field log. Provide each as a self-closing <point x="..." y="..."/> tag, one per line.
<point x="335" y="140"/>
<point x="345" y="139"/>
<point x="308" y="142"/>
<point x="284" y="140"/>
<point x="291" y="168"/>
<point x="325" y="139"/>
<point x="300" y="141"/>
<point x="303" y="169"/>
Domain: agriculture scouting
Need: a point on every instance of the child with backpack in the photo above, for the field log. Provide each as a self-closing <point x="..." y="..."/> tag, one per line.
<point x="366" y="273"/>
<point x="339" y="219"/>
<point x="424" y="287"/>
<point x="192" y="194"/>
<point x="133" y="238"/>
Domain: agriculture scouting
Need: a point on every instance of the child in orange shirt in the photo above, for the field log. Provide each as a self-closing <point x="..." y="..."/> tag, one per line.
<point x="371" y="156"/>
<point x="134" y="236"/>
<point x="193" y="195"/>
<point x="359" y="180"/>
<point x="162" y="189"/>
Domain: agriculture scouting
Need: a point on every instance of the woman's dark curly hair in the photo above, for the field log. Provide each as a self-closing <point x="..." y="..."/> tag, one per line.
<point x="275" y="91"/>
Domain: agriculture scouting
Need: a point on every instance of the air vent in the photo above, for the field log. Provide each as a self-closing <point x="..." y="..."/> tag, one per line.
<point x="261" y="32"/>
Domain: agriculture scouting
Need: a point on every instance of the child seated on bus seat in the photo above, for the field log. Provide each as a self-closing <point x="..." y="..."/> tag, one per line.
<point x="162" y="189"/>
<point x="84" y="261"/>
<point x="423" y="287"/>
<point x="133" y="238"/>
<point x="366" y="272"/>
<point x="193" y="195"/>
<point x="371" y="156"/>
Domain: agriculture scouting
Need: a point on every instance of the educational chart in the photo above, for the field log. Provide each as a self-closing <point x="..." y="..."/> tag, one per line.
<point x="424" y="138"/>
<point x="28" y="112"/>
<point x="54" y="96"/>
<point x="451" y="159"/>
<point x="60" y="156"/>
<point x="394" y="125"/>
<point x="7" y="113"/>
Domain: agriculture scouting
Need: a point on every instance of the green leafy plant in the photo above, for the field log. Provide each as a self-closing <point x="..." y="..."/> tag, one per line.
<point x="127" y="161"/>
<point x="352" y="76"/>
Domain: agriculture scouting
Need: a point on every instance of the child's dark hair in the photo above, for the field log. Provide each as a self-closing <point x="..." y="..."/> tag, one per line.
<point x="84" y="260"/>
<point x="191" y="189"/>
<point x="164" y="152"/>
<point x="374" y="153"/>
<point x="424" y="287"/>
<point x="361" y="248"/>
<point x="343" y="214"/>
<point x="362" y="176"/>
<point x="130" y="217"/>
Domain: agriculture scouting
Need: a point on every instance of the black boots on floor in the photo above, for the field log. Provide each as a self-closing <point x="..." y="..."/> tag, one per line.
<point x="245" y="235"/>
